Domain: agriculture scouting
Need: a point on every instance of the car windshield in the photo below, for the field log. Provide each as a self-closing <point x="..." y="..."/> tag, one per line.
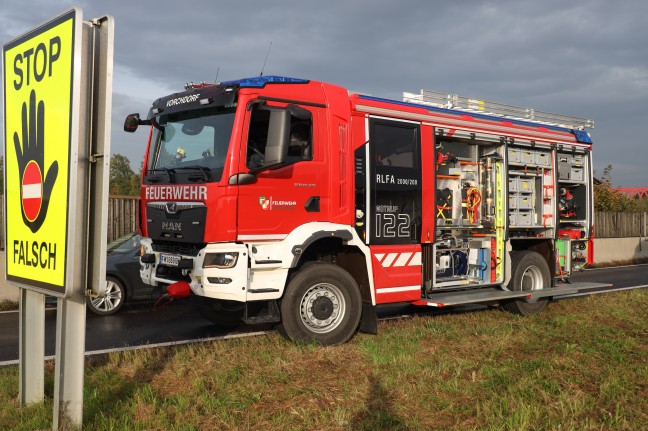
<point x="125" y="244"/>
<point x="192" y="140"/>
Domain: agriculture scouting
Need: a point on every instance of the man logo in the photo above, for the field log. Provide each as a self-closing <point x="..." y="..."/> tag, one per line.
<point x="34" y="192"/>
<point x="171" y="208"/>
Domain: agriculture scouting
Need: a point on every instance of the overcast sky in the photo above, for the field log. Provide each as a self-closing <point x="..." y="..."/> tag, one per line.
<point x="582" y="58"/>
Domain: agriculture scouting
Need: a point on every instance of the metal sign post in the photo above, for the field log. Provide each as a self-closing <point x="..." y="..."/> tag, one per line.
<point x="91" y="249"/>
<point x="57" y="83"/>
<point x="32" y="347"/>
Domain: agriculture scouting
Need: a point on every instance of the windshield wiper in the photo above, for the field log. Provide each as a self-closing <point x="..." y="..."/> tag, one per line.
<point x="156" y="179"/>
<point x="204" y="170"/>
<point x="171" y="173"/>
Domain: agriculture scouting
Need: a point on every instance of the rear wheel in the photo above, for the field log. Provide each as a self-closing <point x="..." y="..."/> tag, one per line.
<point x="529" y="272"/>
<point x="322" y="303"/>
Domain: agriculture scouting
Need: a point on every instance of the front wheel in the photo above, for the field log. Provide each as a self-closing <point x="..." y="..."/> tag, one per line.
<point x="110" y="303"/>
<point x="529" y="272"/>
<point x="323" y="304"/>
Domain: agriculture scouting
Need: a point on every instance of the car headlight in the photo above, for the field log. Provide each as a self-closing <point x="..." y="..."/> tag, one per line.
<point x="220" y="260"/>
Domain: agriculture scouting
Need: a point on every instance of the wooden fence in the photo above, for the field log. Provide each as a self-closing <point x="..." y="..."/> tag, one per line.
<point x="620" y="225"/>
<point x="123" y="218"/>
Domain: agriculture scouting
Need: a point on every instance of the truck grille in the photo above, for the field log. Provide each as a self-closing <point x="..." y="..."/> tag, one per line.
<point x="178" y="249"/>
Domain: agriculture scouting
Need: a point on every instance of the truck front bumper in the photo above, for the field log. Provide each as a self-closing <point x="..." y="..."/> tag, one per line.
<point x="219" y="271"/>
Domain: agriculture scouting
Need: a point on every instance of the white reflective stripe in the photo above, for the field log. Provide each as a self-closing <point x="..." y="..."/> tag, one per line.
<point x="397" y="289"/>
<point x="416" y="260"/>
<point x="31" y="191"/>
<point x="389" y="259"/>
<point x="379" y="256"/>
<point x="260" y="237"/>
<point x="402" y="259"/>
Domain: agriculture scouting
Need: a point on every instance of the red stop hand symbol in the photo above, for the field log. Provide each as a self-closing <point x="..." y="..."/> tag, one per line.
<point x="35" y="190"/>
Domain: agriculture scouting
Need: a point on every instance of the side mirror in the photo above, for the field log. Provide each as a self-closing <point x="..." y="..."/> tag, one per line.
<point x="278" y="138"/>
<point x="131" y="123"/>
<point x="134" y="120"/>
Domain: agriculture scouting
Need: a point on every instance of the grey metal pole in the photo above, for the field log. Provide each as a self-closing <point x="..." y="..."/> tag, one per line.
<point x="70" y="348"/>
<point x="31" y="356"/>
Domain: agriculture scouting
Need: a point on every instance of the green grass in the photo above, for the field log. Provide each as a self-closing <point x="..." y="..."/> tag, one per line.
<point x="6" y="305"/>
<point x="582" y="364"/>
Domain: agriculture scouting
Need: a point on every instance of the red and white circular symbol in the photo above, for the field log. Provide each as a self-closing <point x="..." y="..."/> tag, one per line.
<point x="32" y="190"/>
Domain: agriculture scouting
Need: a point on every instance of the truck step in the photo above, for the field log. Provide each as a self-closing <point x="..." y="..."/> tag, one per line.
<point x="269" y="314"/>
<point x="491" y="294"/>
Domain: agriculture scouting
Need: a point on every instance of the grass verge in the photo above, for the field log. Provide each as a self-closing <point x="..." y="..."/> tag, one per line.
<point x="579" y="365"/>
<point x="6" y="305"/>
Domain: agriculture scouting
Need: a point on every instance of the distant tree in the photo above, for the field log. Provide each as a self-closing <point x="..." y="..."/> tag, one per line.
<point x="607" y="198"/>
<point x="121" y="176"/>
<point x="134" y="189"/>
<point x="136" y="181"/>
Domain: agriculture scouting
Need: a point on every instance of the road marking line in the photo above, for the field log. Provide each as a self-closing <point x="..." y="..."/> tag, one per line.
<point x="609" y="290"/>
<point x="156" y="345"/>
<point x="613" y="267"/>
<point x="15" y="311"/>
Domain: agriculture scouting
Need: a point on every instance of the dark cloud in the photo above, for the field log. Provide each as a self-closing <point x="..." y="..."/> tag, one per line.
<point x="582" y="58"/>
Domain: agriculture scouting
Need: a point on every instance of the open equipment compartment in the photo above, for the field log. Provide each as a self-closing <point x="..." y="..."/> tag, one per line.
<point x="574" y="201"/>
<point x="466" y="242"/>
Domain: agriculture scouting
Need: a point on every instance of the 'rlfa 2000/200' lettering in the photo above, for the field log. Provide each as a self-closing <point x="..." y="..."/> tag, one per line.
<point x="391" y="179"/>
<point x="176" y="193"/>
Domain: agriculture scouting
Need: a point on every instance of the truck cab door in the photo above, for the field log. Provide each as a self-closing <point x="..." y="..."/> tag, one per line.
<point x="284" y="190"/>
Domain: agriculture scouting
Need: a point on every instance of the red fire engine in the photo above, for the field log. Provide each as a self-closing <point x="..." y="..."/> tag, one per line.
<point x="276" y="199"/>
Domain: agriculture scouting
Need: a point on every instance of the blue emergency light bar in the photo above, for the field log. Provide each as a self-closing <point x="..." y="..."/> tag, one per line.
<point x="262" y="81"/>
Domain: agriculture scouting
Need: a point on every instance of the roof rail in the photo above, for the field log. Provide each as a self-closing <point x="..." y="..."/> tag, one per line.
<point x="459" y="103"/>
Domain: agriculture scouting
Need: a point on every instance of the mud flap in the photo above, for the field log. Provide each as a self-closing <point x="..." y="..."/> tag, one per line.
<point x="369" y="319"/>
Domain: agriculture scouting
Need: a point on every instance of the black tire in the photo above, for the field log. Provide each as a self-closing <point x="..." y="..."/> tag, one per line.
<point x="529" y="272"/>
<point x="322" y="303"/>
<point x="220" y="312"/>
<point x="112" y="302"/>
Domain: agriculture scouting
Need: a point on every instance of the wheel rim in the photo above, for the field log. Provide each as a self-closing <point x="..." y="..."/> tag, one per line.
<point x="323" y="308"/>
<point x="109" y="302"/>
<point x="532" y="279"/>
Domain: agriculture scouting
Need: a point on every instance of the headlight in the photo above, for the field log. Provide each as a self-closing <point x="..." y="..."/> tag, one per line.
<point x="220" y="260"/>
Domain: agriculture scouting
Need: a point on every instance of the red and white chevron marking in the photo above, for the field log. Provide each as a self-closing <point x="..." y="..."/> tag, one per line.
<point x="394" y="260"/>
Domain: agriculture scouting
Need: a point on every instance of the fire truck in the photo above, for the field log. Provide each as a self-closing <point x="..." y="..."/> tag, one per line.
<point x="276" y="199"/>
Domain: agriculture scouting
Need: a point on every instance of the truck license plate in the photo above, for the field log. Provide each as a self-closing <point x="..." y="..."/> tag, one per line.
<point x="169" y="260"/>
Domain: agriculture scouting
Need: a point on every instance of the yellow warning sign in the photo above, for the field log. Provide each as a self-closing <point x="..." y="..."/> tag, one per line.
<point x="38" y="72"/>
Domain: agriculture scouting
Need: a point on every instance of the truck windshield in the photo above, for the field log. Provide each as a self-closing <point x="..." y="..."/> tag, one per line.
<point x="191" y="141"/>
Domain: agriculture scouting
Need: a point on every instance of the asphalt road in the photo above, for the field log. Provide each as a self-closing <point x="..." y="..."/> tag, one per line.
<point x="140" y="324"/>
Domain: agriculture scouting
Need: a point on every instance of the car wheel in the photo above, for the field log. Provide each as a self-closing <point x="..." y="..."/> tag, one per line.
<point x="112" y="302"/>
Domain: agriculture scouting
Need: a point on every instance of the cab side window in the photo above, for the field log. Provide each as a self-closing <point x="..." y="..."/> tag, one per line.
<point x="300" y="146"/>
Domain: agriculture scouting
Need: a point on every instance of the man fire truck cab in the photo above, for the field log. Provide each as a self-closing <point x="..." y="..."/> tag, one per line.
<point x="274" y="199"/>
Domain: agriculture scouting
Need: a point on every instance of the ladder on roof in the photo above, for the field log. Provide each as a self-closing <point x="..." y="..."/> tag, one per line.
<point x="460" y="103"/>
